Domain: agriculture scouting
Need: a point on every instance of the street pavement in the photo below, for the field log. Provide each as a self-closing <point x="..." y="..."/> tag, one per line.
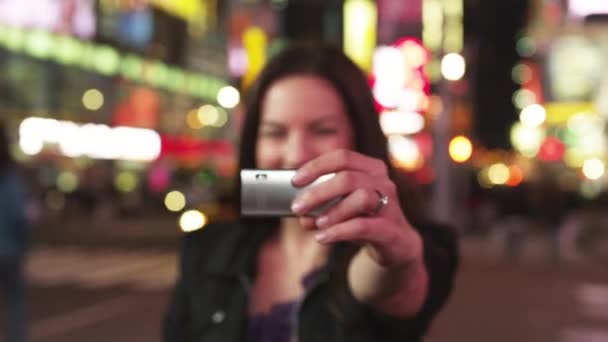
<point x="89" y="283"/>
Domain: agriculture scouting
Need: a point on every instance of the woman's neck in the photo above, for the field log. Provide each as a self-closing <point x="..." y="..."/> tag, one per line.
<point x="298" y="245"/>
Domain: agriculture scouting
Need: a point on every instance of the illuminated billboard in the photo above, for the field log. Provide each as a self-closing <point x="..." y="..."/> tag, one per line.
<point x="73" y="17"/>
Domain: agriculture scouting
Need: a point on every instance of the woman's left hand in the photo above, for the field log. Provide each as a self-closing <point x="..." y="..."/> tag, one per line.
<point x="361" y="181"/>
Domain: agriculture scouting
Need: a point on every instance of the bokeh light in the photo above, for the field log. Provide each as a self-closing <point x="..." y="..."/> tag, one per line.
<point x="126" y="181"/>
<point x="67" y="182"/>
<point x="533" y="115"/>
<point x="460" y="149"/>
<point x="593" y="168"/>
<point x="228" y="97"/>
<point x="192" y="220"/>
<point x="453" y="66"/>
<point x="92" y="99"/>
<point x="498" y="173"/>
<point x="175" y="201"/>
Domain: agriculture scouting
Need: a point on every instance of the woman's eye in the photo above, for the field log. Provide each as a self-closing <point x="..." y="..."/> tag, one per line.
<point x="326" y="131"/>
<point x="272" y="134"/>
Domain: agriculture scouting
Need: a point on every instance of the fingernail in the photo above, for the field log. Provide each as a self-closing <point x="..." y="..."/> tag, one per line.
<point x="298" y="176"/>
<point x="297" y="206"/>
<point x="322" y="221"/>
<point x="321" y="236"/>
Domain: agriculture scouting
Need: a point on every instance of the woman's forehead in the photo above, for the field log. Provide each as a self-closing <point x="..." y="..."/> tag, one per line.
<point x="301" y="95"/>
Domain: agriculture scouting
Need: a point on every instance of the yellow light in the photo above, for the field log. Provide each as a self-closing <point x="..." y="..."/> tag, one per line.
<point x="92" y="99"/>
<point x="175" y="201"/>
<point x="574" y="158"/>
<point x="593" y="168"/>
<point x="228" y="97"/>
<point x="208" y="115"/>
<point x="193" y="120"/>
<point x="255" y="43"/>
<point x="484" y="179"/>
<point x="453" y="66"/>
<point x="498" y="173"/>
<point x="432" y="24"/>
<point x="192" y="220"/>
<point x="460" y="149"/>
<point x="360" y="21"/>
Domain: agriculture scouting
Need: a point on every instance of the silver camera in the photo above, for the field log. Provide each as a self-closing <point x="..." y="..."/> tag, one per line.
<point x="271" y="192"/>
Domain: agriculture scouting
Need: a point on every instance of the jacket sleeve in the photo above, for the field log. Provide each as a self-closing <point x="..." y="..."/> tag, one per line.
<point x="441" y="259"/>
<point x="176" y="320"/>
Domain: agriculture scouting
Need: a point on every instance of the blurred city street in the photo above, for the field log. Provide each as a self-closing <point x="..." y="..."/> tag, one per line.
<point x="124" y="124"/>
<point x="115" y="283"/>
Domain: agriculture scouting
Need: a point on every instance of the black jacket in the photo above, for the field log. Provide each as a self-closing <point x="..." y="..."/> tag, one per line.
<point x="211" y="297"/>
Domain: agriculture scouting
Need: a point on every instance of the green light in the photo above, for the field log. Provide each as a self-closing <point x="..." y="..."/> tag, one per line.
<point x="3" y="34"/>
<point x="525" y="46"/>
<point x="126" y="181"/>
<point x="213" y="87"/>
<point x="87" y="56"/>
<point x="107" y="60"/>
<point x="67" y="182"/>
<point x="156" y="73"/>
<point x="39" y="44"/>
<point x="67" y="50"/>
<point x="132" y="67"/>
<point x="192" y="84"/>
<point x="176" y="79"/>
<point x="204" y="88"/>
<point x="14" y="39"/>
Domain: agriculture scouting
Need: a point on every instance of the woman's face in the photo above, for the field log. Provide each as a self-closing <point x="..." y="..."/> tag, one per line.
<point x="302" y="117"/>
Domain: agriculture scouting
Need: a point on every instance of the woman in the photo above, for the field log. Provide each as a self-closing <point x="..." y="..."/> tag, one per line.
<point x="368" y="269"/>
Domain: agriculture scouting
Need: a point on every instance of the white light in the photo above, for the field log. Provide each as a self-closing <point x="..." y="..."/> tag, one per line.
<point x="582" y="8"/>
<point x="593" y="168"/>
<point x="453" y="66"/>
<point x="70" y="143"/>
<point x="523" y="98"/>
<point x="91" y="140"/>
<point x="192" y="220"/>
<point x="526" y="140"/>
<point x="396" y="122"/>
<point x="228" y="97"/>
<point x="498" y="173"/>
<point x="138" y="144"/>
<point x="30" y="131"/>
<point x="31" y="146"/>
<point x="405" y="151"/>
<point x="533" y="115"/>
<point x="389" y="71"/>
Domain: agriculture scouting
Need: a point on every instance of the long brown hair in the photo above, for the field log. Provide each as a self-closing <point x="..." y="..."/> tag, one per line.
<point x="333" y="65"/>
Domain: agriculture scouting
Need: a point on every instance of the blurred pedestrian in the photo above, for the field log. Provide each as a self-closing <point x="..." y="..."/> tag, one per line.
<point x="13" y="241"/>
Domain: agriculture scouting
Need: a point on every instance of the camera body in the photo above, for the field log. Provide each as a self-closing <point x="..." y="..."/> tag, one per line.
<point x="270" y="193"/>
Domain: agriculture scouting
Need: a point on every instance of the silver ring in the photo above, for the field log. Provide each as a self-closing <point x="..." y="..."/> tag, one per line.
<point x="382" y="202"/>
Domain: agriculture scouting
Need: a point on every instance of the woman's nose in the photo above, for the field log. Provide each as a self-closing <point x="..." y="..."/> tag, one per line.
<point x="298" y="151"/>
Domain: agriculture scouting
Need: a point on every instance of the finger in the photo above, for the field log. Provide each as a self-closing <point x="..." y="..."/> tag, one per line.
<point x="307" y="223"/>
<point x="362" y="229"/>
<point x="340" y="185"/>
<point x="359" y="202"/>
<point x="336" y="161"/>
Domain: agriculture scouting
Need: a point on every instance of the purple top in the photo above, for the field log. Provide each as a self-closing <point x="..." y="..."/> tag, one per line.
<point x="276" y="325"/>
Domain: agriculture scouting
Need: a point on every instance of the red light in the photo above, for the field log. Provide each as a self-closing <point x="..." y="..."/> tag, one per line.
<point x="551" y="150"/>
